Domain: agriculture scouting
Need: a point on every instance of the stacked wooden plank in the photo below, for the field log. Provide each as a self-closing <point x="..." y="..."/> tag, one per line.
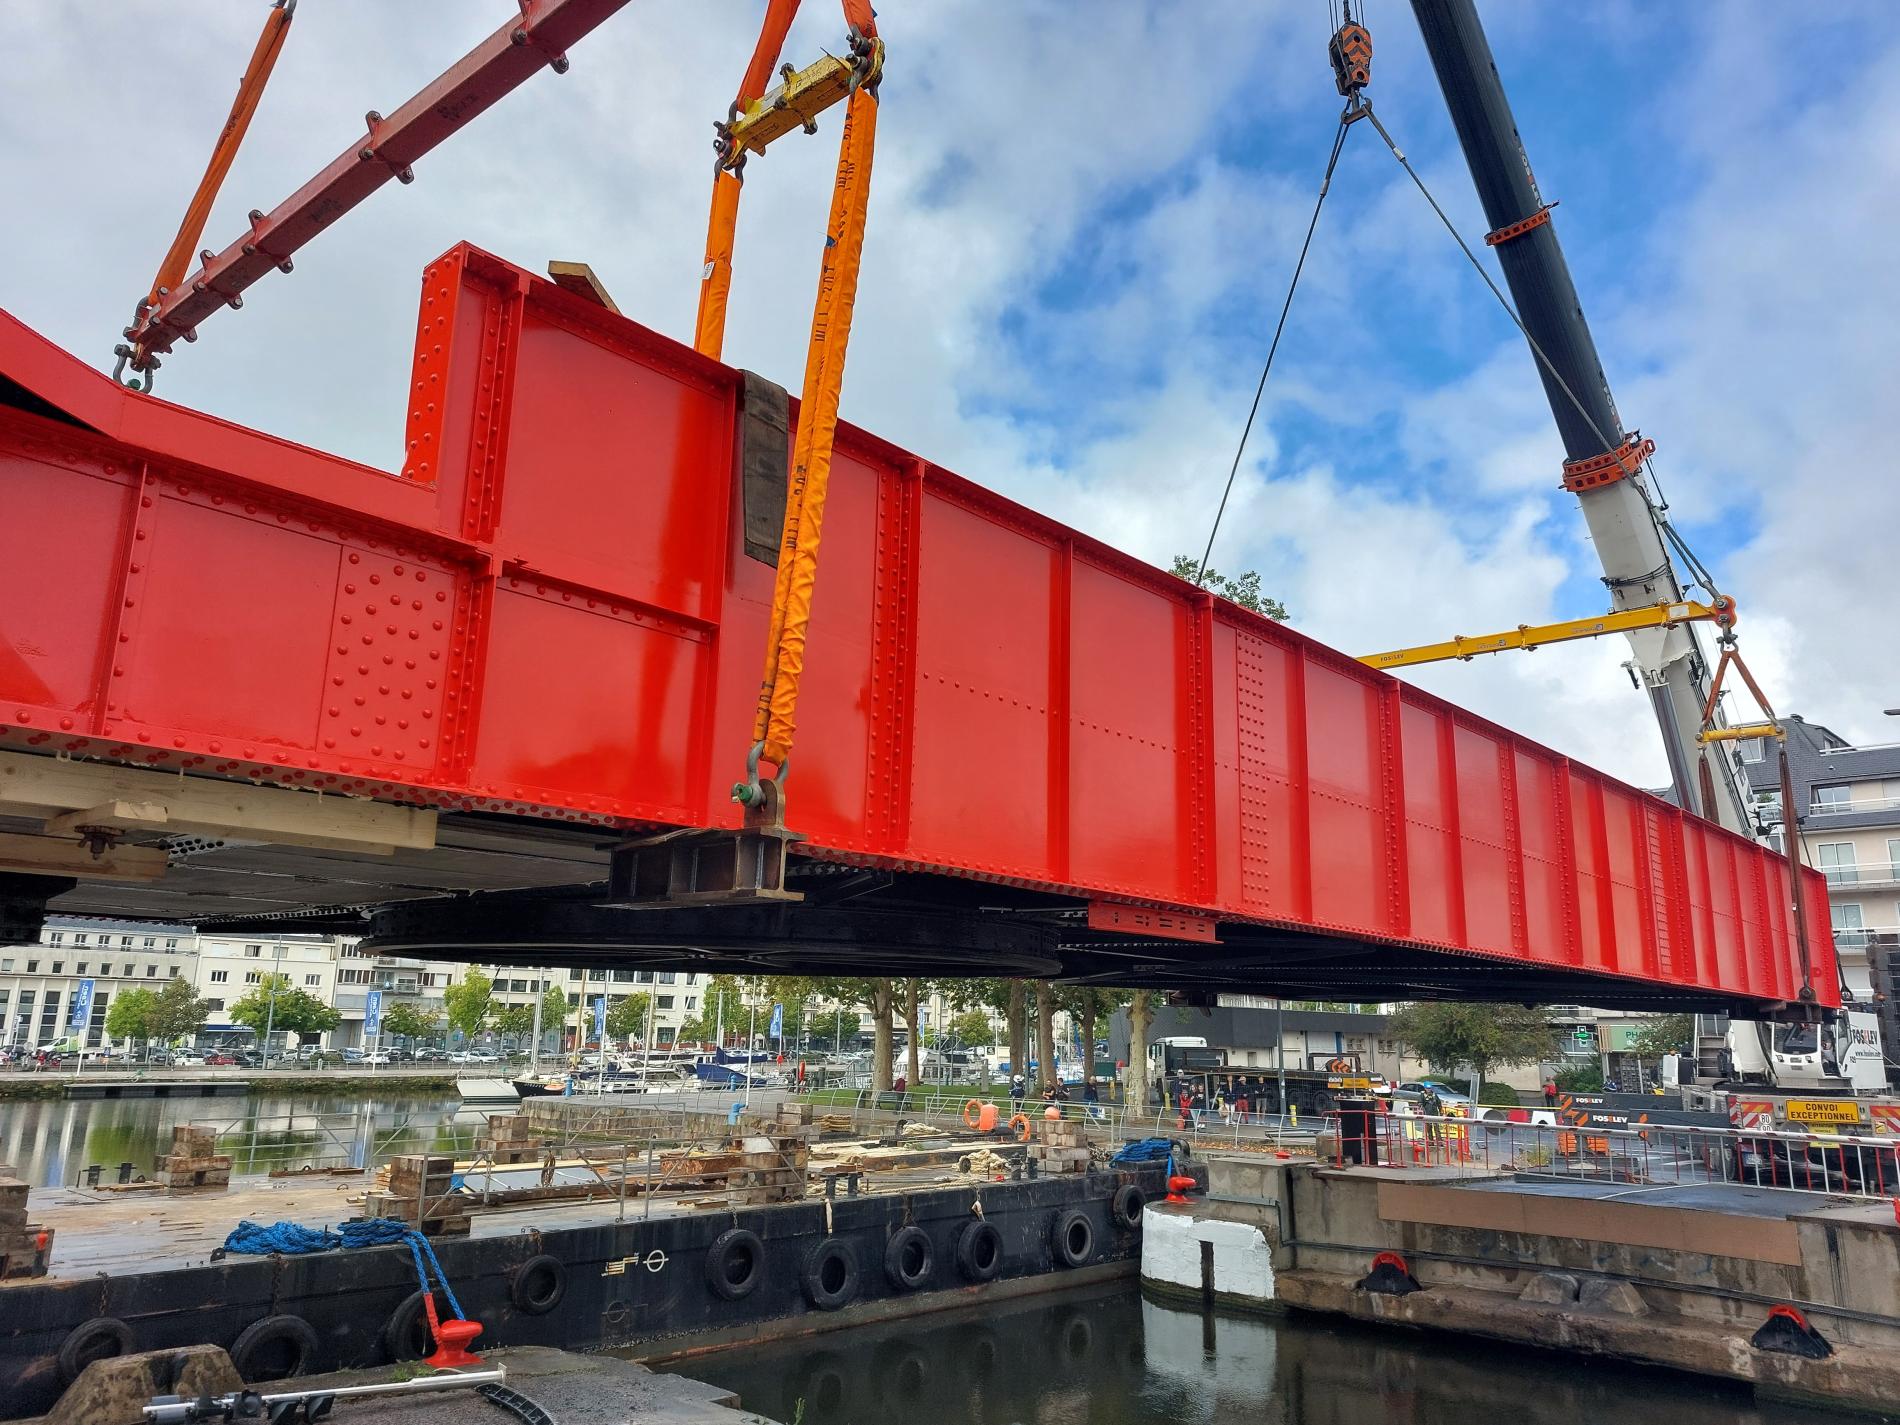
<point x="421" y="1189"/>
<point x="773" y="1165"/>
<point x="24" y="1246"/>
<point x="511" y="1139"/>
<point x="194" y="1161"/>
<point x="1060" y="1147"/>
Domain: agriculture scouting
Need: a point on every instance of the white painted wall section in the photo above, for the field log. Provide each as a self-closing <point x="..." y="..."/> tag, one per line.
<point x="1171" y="1254"/>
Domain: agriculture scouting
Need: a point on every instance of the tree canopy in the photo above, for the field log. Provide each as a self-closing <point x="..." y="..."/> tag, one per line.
<point x="407" y="1020"/>
<point x="469" y="1000"/>
<point x="1450" y="1037"/>
<point x="1244" y="590"/>
<point x="177" y="1012"/>
<point x="1665" y="1034"/>
<point x="627" y="1018"/>
<point x="129" y="1016"/>
<point x="294" y="1011"/>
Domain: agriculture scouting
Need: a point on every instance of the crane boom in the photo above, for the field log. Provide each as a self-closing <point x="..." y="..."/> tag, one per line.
<point x="1604" y="461"/>
<point x="1530" y="636"/>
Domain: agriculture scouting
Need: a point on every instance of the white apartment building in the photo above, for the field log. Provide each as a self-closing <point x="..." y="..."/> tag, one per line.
<point x="39" y="981"/>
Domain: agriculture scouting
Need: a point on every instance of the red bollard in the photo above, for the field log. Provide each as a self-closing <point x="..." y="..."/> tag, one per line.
<point x="452" y="1340"/>
<point x="1178" y="1188"/>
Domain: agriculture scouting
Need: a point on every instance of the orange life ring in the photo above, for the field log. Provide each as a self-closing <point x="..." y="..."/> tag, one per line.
<point x="1021" y="1126"/>
<point x="972" y="1113"/>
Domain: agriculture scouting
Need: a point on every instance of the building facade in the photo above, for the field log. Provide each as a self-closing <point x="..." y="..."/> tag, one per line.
<point x="1847" y="823"/>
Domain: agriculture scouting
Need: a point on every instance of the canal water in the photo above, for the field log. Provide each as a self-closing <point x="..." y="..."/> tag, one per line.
<point x="51" y="1143"/>
<point x="1114" y="1358"/>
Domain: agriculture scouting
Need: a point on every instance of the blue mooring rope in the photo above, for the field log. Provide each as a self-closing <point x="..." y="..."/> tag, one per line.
<point x="291" y="1239"/>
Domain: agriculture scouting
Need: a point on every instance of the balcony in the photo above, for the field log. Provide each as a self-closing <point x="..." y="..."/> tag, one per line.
<point x="1854" y="806"/>
<point x="1861" y="937"/>
<point x="1873" y="876"/>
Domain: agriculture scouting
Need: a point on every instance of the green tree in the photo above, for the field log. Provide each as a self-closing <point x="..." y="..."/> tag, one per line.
<point x="829" y="1029"/>
<point x="1244" y="590"/>
<point x="721" y="1010"/>
<point x="129" y="1016"/>
<point x="1450" y="1037"/>
<point x="295" y="1011"/>
<point x="627" y="1018"/>
<point x="553" y="1011"/>
<point x="879" y="995"/>
<point x="469" y="1000"/>
<point x="1665" y="1034"/>
<point x="406" y="1020"/>
<point x="514" y="1020"/>
<point x="176" y="1012"/>
<point x="973" y="1027"/>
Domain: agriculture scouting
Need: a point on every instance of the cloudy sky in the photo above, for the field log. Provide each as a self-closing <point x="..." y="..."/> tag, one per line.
<point x="1082" y="223"/>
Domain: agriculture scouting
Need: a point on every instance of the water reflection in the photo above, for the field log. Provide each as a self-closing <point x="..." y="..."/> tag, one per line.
<point x="1115" y="1359"/>
<point x="52" y="1143"/>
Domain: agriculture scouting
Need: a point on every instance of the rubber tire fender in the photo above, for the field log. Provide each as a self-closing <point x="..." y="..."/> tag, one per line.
<point x="719" y="1256"/>
<point x="300" y="1334"/>
<point x="400" y="1333"/>
<point x="522" y="1291"/>
<point x="1126" y="1205"/>
<point x="830" y="1298"/>
<point x="980" y="1251"/>
<point x="1063" y="1234"/>
<point x="82" y="1345"/>
<point x="903" y="1244"/>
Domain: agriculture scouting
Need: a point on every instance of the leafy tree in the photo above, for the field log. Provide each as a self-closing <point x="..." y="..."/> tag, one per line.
<point x="1087" y="1005"/>
<point x="272" y="1004"/>
<point x="176" y="1012"/>
<point x="878" y="995"/>
<point x="1244" y="590"/>
<point x="721" y="1008"/>
<point x="829" y="1028"/>
<point x="469" y="1000"/>
<point x="129" y="1016"/>
<point x="1664" y="1034"/>
<point x="553" y="1011"/>
<point x="1483" y="1036"/>
<point x="972" y="1027"/>
<point x="627" y="1018"/>
<point x="515" y="1020"/>
<point x="1141" y="1018"/>
<point x="405" y="1020"/>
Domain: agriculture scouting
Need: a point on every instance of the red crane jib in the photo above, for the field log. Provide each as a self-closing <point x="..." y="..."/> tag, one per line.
<point x="551" y="611"/>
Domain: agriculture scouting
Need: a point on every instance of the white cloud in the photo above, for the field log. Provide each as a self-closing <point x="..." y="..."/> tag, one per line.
<point x="1761" y="358"/>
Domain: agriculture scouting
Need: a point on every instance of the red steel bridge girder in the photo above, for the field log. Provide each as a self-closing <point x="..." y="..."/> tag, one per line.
<point x="551" y="612"/>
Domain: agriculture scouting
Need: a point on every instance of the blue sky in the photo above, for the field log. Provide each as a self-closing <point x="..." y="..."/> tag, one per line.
<point x="1083" y="220"/>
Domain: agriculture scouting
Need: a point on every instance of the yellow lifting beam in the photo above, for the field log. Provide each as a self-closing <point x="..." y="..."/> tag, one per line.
<point x="797" y="102"/>
<point x="1527" y="636"/>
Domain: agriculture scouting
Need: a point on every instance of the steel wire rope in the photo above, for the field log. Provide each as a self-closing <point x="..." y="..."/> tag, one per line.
<point x="1326" y="183"/>
<point x="1696" y="567"/>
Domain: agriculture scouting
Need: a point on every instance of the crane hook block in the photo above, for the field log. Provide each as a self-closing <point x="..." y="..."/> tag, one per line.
<point x="1351" y="53"/>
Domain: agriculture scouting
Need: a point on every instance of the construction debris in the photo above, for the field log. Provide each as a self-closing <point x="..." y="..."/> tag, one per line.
<point x="1060" y="1147"/>
<point x="24" y="1246"/>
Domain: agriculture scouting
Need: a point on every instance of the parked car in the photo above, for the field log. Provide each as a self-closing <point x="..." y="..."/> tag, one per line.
<point x="377" y="1058"/>
<point x="1412" y="1088"/>
<point x="221" y="1061"/>
<point x="352" y="1056"/>
<point x="249" y="1059"/>
<point x="186" y="1058"/>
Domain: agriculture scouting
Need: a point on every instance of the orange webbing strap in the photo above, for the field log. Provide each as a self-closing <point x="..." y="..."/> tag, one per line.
<point x="779" y="15"/>
<point x="776" y="717"/>
<point x="250" y="89"/>
<point x="715" y="279"/>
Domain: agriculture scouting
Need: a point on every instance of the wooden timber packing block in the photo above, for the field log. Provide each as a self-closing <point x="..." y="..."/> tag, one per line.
<point x="12" y="1192"/>
<point x="190" y="1142"/>
<point x="1062" y="1135"/>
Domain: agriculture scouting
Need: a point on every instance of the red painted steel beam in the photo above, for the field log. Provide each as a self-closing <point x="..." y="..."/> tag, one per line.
<point x="535" y="39"/>
<point x="551" y="612"/>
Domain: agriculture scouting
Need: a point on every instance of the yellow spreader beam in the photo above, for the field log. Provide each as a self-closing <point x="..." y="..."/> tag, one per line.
<point x="1662" y="615"/>
<point x="797" y="102"/>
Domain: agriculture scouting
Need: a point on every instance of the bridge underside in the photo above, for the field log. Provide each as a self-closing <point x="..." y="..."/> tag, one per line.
<point x="852" y="920"/>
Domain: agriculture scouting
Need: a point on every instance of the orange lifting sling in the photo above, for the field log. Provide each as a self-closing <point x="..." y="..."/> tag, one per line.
<point x="753" y="120"/>
<point x="257" y="73"/>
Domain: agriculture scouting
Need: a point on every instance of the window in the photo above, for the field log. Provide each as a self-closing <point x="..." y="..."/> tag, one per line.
<point x="55" y="937"/>
<point x="174" y="973"/>
<point x="6" y="967"/>
<point x="1849" y="931"/>
<point x="129" y="968"/>
<point x="80" y="939"/>
<point x="219" y="977"/>
<point x="692" y="1001"/>
<point x="623" y="977"/>
<point x="666" y="977"/>
<point x="253" y="977"/>
<point x="171" y="942"/>
<point x="125" y="942"/>
<point x="596" y="974"/>
<point x="663" y="1002"/>
<point x="645" y="977"/>
<point x="1837" y="862"/>
<point x="59" y="967"/>
<point x="32" y="967"/>
<point x="82" y="967"/>
<point x="313" y="979"/>
<point x="151" y="972"/>
<point x="1832" y="798"/>
<point x="254" y="951"/>
<point x="148" y="942"/>
<point x="1893" y="859"/>
<point x="216" y="1006"/>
